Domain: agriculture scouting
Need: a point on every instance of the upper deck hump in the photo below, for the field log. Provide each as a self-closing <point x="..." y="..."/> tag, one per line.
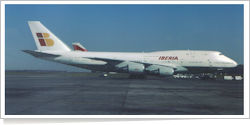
<point x="185" y="51"/>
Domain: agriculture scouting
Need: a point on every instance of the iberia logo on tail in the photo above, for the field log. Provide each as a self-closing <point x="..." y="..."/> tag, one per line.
<point x="44" y="39"/>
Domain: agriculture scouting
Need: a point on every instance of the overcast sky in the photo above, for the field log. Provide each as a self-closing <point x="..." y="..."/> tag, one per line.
<point x="125" y="28"/>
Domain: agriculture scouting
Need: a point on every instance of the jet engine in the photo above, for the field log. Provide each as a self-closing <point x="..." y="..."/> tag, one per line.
<point x="160" y="70"/>
<point x="131" y="67"/>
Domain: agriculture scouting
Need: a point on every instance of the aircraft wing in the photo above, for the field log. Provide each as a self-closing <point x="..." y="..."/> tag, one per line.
<point x="116" y="61"/>
<point x="109" y="61"/>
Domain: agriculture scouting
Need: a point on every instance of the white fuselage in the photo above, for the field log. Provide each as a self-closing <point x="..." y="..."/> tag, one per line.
<point x="180" y="60"/>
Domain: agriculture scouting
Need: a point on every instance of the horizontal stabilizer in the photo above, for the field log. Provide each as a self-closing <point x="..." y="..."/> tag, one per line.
<point x="39" y="54"/>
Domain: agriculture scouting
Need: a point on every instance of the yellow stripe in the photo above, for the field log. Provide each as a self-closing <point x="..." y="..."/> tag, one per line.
<point x="49" y="42"/>
<point x="45" y="35"/>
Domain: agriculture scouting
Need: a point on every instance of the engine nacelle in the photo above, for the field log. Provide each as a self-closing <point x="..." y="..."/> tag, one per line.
<point x="160" y="70"/>
<point x="131" y="67"/>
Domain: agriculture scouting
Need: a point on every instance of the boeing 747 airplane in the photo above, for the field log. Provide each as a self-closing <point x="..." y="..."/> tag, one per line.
<point x="161" y="63"/>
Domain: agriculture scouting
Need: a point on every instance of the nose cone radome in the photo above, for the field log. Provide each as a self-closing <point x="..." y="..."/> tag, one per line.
<point x="231" y="62"/>
<point x="234" y="64"/>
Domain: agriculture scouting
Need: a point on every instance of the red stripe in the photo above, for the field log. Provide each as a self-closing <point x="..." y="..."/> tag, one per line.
<point x="42" y="42"/>
<point x="79" y="48"/>
<point x="39" y="34"/>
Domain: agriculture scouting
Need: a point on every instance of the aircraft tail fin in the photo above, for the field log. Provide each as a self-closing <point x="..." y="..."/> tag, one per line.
<point x="45" y="40"/>
<point x="79" y="47"/>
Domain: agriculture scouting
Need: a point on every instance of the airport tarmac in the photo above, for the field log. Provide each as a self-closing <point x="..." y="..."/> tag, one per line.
<point x="65" y="93"/>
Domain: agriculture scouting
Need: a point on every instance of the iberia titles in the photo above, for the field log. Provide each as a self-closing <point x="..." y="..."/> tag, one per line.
<point x="168" y="58"/>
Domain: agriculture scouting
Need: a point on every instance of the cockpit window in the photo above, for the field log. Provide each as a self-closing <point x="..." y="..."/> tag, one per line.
<point x="220" y="54"/>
